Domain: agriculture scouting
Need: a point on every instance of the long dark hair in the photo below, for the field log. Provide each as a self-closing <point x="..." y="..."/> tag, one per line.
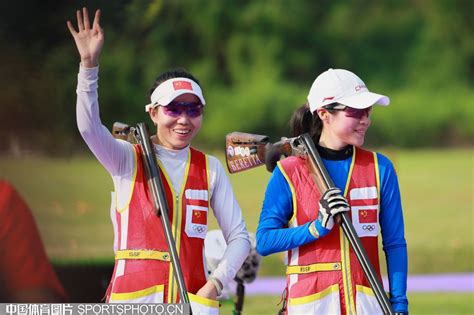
<point x="173" y="73"/>
<point x="303" y="121"/>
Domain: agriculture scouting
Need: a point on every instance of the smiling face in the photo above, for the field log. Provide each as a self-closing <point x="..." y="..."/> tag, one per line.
<point x="176" y="132"/>
<point x="340" y="130"/>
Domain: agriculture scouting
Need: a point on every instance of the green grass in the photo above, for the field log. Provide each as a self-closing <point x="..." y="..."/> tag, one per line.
<point x="437" y="195"/>
<point x="70" y="200"/>
<point x="420" y="304"/>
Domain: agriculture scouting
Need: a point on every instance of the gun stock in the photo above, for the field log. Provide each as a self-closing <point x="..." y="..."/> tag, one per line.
<point x="245" y="151"/>
<point x="122" y="131"/>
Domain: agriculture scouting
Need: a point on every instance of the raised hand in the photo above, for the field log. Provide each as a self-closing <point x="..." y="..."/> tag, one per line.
<point x="89" y="40"/>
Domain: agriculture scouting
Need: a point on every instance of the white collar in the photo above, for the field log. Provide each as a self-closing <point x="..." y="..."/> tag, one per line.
<point x="170" y="153"/>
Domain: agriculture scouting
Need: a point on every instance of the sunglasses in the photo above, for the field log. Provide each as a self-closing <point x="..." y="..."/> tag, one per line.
<point x="349" y="111"/>
<point x="176" y="109"/>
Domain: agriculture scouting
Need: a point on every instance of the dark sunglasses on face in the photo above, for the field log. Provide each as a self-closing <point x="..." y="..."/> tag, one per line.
<point x="175" y="109"/>
<point x="349" y="111"/>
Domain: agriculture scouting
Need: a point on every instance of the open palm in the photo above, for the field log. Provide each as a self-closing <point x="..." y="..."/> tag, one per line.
<point x="89" y="40"/>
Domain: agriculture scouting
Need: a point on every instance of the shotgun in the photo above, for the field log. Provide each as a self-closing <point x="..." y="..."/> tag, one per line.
<point x="245" y="151"/>
<point x="140" y="135"/>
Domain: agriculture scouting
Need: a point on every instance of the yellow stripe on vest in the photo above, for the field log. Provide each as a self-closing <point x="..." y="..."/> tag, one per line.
<point x="345" y="251"/>
<point x="366" y="290"/>
<point x="291" y="222"/>
<point x="203" y="301"/>
<point x="137" y="294"/>
<point x="313" y="268"/>
<point x="142" y="254"/>
<point x="313" y="297"/>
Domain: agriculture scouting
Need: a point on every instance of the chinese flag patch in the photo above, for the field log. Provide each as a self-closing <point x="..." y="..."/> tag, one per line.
<point x="182" y="85"/>
<point x="199" y="217"/>
<point x="368" y="216"/>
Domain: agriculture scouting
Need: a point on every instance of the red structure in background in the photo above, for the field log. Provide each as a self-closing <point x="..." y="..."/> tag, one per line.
<point x="26" y="274"/>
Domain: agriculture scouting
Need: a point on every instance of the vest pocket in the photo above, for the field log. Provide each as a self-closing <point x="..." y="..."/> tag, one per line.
<point x="366" y="302"/>
<point x="203" y="306"/>
<point x="196" y="221"/>
<point x="153" y="294"/>
<point x="323" y="302"/>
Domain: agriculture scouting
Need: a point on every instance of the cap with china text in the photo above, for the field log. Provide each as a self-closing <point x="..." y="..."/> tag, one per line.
<point x="344" y="87"/>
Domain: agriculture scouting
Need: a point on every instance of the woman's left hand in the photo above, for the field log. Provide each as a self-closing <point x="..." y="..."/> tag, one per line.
<point x="208" y="291"/>
<point x="89" y="38"/>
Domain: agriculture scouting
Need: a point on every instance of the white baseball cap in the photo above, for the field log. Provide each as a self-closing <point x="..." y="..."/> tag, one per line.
<point x="171" y="89"/>
<point x="344" y="87"/>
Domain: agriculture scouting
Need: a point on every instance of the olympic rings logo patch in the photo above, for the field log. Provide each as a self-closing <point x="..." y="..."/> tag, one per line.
<point x="368" y="227"/>
<point x="199" y="228"/>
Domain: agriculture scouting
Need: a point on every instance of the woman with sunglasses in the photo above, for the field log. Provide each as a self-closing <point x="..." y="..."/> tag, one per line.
<point x="193" y="182"/>
<point x="323" y="274"/>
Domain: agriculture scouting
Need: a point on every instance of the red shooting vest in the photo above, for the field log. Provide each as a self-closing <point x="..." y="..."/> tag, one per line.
<point x="142" y="266"/>
<point x="324" y="276"/>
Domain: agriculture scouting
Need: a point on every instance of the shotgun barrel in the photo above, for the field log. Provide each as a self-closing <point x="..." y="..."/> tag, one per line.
<point x="155" y="185"/>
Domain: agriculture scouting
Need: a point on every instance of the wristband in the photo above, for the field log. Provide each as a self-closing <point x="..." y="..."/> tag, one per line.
<point x="217" y="285"/>
<point x="313" y="230"/>
<point x="320" y="230"/>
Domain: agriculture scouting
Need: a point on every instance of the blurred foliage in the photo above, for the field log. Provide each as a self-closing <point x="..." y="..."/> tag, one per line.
<point x="256" y="61"/>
